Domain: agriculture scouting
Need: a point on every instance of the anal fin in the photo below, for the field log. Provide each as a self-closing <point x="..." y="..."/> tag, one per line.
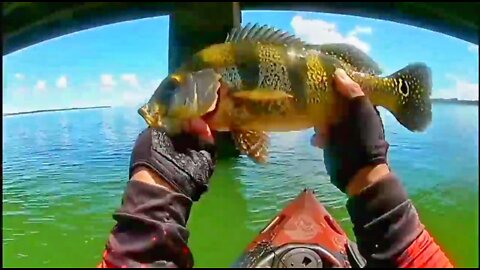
<point x="254" y="144"/>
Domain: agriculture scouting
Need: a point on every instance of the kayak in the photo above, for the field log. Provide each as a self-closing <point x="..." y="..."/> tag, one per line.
<point x="302" y="235"/>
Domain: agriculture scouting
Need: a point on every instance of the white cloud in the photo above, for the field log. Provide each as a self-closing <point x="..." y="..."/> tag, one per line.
<point x="90" y="103"/>
<point x="20" y="92"/>
<point x="19" y="76"/>
<point x="41" y="85"/>
<point x="62" y="82"/>
<point x="133" y="99"/>
<point x="317" y="31"/>
<point x="10" y="109"/>
<point x="131" y="79"/>
<point x="81" y="104"/>
<point x="360" y="30"/>
<point x="462" y="89"/>
<point x="153" y="84"/>
<point x="107" y="82"/>
<point x="473" y="48"/>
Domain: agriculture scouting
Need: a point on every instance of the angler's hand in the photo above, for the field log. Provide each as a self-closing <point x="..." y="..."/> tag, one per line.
<point x="183" y="163"/>
<point x="355" y="149"/>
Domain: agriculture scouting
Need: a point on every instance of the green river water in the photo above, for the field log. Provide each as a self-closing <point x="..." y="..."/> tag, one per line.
<point x="64" y="174"/>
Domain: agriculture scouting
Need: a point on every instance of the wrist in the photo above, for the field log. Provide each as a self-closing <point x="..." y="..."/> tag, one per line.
<point x="146" y="175"/>
<point x="366" y="177"/>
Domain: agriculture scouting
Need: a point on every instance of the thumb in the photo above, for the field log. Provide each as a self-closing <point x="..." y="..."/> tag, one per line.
<point x="319" y="138"/>
<point x="346" y="86"/>
<point x="317" y="141"/>
<point x="198" y="127"/>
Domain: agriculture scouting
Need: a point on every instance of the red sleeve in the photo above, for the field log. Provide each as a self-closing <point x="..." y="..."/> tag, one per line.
<point x="424" y="253"/>
<point x="388" y="230"/>
<point x="105" y="263"/>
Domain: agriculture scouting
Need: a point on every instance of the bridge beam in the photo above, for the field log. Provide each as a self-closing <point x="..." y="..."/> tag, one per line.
<point x="28" y="23"/>
<point x="195" y="26"/>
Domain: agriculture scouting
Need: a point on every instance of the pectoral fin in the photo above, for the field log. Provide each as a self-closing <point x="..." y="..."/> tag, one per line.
<point x="261" y="95"/>
<point x="254" y="144"/>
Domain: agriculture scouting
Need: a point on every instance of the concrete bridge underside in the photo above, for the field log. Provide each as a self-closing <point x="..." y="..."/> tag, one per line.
<point x="28" y="23"/>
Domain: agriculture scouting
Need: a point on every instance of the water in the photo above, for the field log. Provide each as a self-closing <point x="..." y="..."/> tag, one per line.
<point x="64" y="173"/>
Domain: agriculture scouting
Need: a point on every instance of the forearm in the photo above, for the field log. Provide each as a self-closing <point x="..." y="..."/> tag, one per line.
<point x="150" y="229"/>
<point x="167" y="174"/>
<point x="388" y="230"/>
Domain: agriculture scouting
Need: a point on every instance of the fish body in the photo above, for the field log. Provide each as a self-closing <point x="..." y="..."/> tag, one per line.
<point x="264" y="80"/>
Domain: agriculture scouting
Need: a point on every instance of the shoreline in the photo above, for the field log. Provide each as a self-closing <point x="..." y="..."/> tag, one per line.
<point x="434" y="100"/>
<point x="57" y="110"/>
<point x="454" y="101"/>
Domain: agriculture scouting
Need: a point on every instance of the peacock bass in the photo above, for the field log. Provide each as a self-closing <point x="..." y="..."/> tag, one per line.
<point x="263" y="80"/>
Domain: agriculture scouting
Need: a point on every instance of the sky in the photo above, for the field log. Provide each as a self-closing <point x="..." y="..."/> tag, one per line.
<point x="122" y="64"/>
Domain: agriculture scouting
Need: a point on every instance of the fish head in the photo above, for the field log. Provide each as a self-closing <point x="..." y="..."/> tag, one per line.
<point x="180" y="97"/>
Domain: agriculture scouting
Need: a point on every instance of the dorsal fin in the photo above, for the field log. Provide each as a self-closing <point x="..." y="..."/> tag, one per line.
<point x="264" y="33"/>
<point x="350" y="55"/>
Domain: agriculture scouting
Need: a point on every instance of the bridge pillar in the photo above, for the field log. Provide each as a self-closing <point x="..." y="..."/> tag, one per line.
<point x="195" y="26"/>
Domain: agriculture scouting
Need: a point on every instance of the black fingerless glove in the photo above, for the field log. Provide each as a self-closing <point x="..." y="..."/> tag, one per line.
<point x="355" y="142"/>
<point x="184" y="161"/>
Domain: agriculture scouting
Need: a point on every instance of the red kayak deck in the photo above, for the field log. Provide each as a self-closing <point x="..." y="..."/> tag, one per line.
<point x="305" y="226"/>
<point x="305" y="220"/>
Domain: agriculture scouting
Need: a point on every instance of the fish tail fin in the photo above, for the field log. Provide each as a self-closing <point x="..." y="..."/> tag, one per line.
<point x="406" y="94"/>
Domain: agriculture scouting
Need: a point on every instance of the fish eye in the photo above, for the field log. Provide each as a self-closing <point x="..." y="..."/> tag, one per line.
<point x="403" y="87"/>
<point x="176" y="79"/>
<point x="164" y="92"/>
<point x="170" y="84"/>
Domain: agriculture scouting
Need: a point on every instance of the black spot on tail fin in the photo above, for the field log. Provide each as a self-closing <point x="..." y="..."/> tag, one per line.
<point x="413" y="88"/>
<point x="349" y="54"/>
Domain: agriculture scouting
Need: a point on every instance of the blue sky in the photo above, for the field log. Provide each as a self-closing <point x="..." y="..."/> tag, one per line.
<point x="122" y="64"/>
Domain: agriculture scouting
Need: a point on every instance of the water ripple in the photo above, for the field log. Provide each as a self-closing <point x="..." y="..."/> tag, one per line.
<point x="63" y="177"/>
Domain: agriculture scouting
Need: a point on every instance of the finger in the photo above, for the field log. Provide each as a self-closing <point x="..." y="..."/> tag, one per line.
<point x="313" y="140"/>
<point x="346" y="86"/>
<point x="322" y="131"/>
<point x="320" y="137"/>
<point x="199" y="127"/>
<point x="186" y="126"/>
<point x="317" y="141"/>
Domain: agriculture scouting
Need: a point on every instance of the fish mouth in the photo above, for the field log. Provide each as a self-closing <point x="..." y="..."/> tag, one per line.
<point x="151" y="121"/>
<point x="212" y="111"/>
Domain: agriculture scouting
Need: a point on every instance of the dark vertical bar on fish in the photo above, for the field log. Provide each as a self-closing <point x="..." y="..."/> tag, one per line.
<point x="190" y="32"/>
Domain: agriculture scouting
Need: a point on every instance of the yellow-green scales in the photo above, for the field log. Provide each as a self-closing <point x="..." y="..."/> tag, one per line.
<point x="276" y="82"/>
